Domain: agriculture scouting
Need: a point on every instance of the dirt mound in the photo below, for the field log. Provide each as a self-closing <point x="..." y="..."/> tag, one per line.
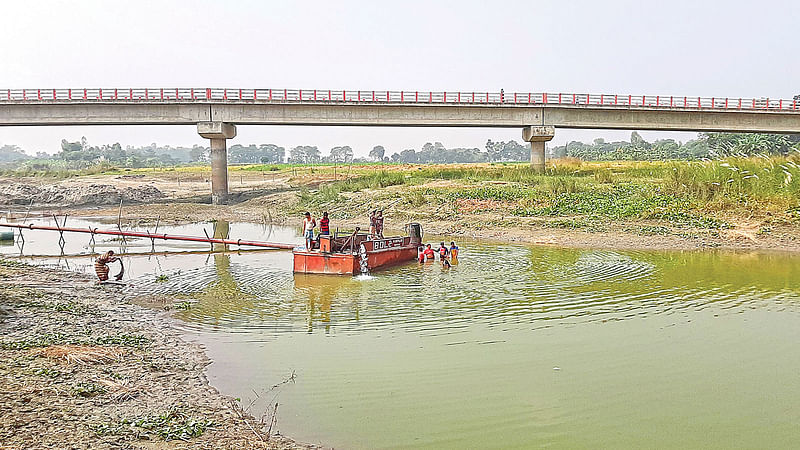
<point x="76" y="195"/>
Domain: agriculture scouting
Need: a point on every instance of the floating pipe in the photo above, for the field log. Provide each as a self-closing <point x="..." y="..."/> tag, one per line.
<point x="144" y="234"/>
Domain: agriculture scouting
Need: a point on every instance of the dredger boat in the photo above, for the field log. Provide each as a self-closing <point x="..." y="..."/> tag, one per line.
<point x="357" y="253"/>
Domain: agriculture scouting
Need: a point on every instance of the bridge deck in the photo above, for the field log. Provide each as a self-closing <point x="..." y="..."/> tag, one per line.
<point x="316" y="96"/>
<point x="185" y="106"/>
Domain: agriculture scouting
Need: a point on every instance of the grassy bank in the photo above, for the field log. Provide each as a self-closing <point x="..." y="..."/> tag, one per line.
<point x="653" y="197"/>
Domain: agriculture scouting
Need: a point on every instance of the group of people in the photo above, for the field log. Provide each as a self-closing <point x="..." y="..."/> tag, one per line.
<point x="446" y="255"/>
<point x="309" y="223"/>
<point x="376" y="223"/>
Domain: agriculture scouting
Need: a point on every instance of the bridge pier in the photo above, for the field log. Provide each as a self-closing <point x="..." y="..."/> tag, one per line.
<point x="218" y="133"/>
<point x="538" y="136"/>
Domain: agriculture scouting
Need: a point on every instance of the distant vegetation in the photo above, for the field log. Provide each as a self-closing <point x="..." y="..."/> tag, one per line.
<point x="707" y="145"/>
<point x="82" y="158"/>
<point x="650" y="196"/>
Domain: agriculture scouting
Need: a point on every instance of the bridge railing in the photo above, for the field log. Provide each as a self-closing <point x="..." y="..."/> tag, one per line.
<point x="223" y="95"/>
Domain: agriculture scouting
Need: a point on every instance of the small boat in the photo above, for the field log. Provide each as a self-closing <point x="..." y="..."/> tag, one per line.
<point x="357" y="253"/>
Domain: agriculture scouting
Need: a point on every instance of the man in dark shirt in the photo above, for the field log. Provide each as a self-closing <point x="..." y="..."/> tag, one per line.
<point x="324" y="224"/>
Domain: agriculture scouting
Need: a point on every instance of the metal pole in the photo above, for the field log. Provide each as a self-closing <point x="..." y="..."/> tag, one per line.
<point x="174" y="237"/>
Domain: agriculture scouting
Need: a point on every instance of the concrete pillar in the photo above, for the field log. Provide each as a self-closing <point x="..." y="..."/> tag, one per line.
<point x="222" y="229"/>
<point x="538" y="136"/>
<point x="218" y="133"/>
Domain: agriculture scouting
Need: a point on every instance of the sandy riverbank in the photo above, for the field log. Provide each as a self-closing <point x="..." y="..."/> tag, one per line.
<point x="81" y="368"/>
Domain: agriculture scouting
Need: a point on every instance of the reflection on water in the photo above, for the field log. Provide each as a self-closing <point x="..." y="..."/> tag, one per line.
<point x="667" y="349"/>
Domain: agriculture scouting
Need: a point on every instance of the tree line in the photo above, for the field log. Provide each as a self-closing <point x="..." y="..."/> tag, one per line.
<point x="81" y="154"/>
<point x="707" y="145"/>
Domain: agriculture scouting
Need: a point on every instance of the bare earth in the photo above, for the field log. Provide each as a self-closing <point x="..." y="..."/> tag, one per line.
<point x="80" y="368"/>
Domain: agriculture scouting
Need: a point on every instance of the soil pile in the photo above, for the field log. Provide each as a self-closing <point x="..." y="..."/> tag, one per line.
<point x="76" y="195"/>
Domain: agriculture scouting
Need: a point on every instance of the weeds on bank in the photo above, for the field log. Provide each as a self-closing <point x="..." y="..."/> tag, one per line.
<point x="174" y="424"/>
<point x="680" y="193"/>
<point x="47" y="372"/>
<point x="46" y="340"/>
<point x="330" y="192"/>
<point x="88" y="390"/>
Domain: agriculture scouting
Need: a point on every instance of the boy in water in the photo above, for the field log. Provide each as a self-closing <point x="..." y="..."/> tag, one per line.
<point x="443" y="252"/>
<point x="426" y="254"/>
<point x="453" y="250"/>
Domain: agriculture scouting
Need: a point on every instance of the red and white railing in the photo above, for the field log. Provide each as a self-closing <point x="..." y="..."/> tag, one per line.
<point x="316" y="96"/>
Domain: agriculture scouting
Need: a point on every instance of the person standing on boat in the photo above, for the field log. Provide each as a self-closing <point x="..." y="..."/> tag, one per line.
<point x="101" y="264"/>
<point x="324" y="225"/>
<point x="372" y="226"/>
<point x="308" y="230"/>
<point x="379" y="224"/>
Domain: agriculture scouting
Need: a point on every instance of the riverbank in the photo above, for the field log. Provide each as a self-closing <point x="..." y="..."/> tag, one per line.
<point x="81" y="368"/>
<point x="736" y="203"/>
<point x="633" y="205"/>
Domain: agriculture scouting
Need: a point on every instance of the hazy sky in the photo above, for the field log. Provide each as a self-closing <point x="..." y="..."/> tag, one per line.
<point x="720" y="48"/>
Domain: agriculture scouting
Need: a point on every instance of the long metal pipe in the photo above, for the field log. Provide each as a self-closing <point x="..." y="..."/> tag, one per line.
<point x="164" y="236"/>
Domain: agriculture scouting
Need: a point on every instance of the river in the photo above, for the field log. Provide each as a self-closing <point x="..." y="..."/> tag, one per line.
<point x="515" y="346"/>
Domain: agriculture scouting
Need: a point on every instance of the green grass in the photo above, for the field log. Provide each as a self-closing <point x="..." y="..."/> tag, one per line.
<point x="46" y="340"/>
<point x="174" y="424"/>
<point x="88" y="390"/>
<point x="331" y="192"/>
<point x="671" y="193"/>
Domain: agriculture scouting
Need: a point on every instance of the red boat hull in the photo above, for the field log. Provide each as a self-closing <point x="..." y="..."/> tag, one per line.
<point x="380" y="254"/>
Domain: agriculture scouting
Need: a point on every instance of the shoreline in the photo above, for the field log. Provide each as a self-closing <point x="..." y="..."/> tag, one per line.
<point x="784" y="238"/>
<point x="81" y="365"/>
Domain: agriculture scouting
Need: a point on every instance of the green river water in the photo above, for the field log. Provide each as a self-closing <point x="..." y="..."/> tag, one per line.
<point x="514" y="347"/>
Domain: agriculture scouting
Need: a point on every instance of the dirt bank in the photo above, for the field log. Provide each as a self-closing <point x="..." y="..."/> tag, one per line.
<point x="75" y="195"/>
<point x="79" y="368"/>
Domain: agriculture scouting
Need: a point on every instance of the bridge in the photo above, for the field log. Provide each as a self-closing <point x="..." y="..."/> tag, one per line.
<point x="217" y="111"/>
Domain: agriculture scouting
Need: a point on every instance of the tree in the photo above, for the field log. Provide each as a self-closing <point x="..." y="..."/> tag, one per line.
<point x="408" y="155"/>
<point x="341" y="154"/>
<point x="377" y="153"/>
<point x="725" y="144"/>
<point x="493" y="150"/>
<point x="395" y="157"/>
<point x="199" y="154"/>
<point x="637" y="141"/>
<point x="9" y="153"/>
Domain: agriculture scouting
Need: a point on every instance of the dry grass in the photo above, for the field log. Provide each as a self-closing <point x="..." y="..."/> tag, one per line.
<point x="80" y="354"/>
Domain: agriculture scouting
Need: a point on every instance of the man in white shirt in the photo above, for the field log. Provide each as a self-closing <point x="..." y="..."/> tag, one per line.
<point x="308" y="230"/>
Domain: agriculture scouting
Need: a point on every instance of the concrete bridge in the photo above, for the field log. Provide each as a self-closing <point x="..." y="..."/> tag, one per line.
<point x="216" y="112"/>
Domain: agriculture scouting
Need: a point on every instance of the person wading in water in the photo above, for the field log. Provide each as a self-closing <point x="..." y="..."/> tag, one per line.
<point x="427" y="254"/>
<point x="101" y="266"/>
